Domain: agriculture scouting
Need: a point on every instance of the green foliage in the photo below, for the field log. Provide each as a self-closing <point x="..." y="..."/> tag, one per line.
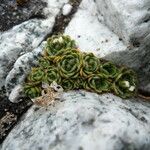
<point x="109" y="70"/>
<point x="32" y="90"/>
<point x="57" y="43"/>
<point x="52" y="74"/>
<point x="64" y="63"/>
<point x="90" y="65"/>
<point x="98" y="83"/>
<point x="125" y="84"/>
<point x="69" y="63"/>
<point x="36" y="75"/>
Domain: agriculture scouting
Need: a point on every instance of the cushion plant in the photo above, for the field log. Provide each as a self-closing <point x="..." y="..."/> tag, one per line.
<point x="64" y="63"/>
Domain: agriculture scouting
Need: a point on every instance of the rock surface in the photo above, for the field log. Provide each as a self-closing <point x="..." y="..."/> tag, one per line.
<point x="25" y="37"/>
<point x="84" y="121"/>
<point x="131" y="22"/>
<point x="12" y="14"/>
<point x="129" y="19"/>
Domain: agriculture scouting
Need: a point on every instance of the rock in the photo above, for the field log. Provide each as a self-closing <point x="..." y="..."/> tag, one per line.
<point x="137" y="59"/>
<point x="16" y="92"/>
<point x="66" y="9"/>
<point x="91" y="34"/>
<point x="17" y="75"/>
<point x="84" y="121"/>
<point x="130" y="20"/>
<point x="25" y="37"/>
<point x="13" y="14"/>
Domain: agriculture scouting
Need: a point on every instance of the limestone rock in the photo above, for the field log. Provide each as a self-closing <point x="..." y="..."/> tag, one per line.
<point x="12" y="14"/>
<point x="91" y="34"/>
<point x="84" y="121"/>
<point x="66" y="9"/>
<point x="25" y="37"/>
<point x="129" y="19"/>
<point x="16" y="77"/>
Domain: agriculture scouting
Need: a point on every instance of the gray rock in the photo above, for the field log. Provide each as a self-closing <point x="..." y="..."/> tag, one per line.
<point x="12" y="14"/>
<point x="129" y="19"/>
<point x="18" y="41"/>
<point x="84" y="121"/>
<point x="20" y="70"/>
<point x="137" y="59"/>
<point x="92" y="35"/>
<point x="131" y="22"/>
<point x="25" y="37"/>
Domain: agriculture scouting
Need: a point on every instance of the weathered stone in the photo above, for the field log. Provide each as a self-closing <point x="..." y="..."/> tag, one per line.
<point x="12" y="14"/>
<point x="16" y="77"/>
<point x="86" y="121"/>
<point x="131" y="22"/>
<point x="137" y="59"/>
<point x="25" y="37"/>
<point x="129" y="19"/>
<point x="91" y="34"/>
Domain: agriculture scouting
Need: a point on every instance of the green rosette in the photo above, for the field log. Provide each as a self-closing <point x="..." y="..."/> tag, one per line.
<point x="32" y="91"/>
<point x="86" y="86"/>
<point x="36" y="76"/>
<point x="109" y="70"/>
<point x="78" y="82"/>
<point x="69" y="63"/>
<point x="44" y="62"/>
<point x="125" y="83"/>
<point x="98" y="83"/>
<point x="57" y="43"/>
<point x="90" y="65"/>
<point x="68" y="84"/>
<point x="52" y="74"/>
<point x="63" y="63"/>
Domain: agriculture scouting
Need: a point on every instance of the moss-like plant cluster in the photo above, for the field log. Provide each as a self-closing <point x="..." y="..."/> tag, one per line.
<point x="64" y="63"/>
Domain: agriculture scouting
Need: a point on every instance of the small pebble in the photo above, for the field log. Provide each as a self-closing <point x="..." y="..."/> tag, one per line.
<point x="66" y="9"/>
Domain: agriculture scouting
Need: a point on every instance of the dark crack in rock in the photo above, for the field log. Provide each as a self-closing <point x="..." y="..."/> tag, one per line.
<point x="12" y="14"/>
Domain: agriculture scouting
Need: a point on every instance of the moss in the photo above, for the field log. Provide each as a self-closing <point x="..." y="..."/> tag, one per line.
<point x="64" y="63"/>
